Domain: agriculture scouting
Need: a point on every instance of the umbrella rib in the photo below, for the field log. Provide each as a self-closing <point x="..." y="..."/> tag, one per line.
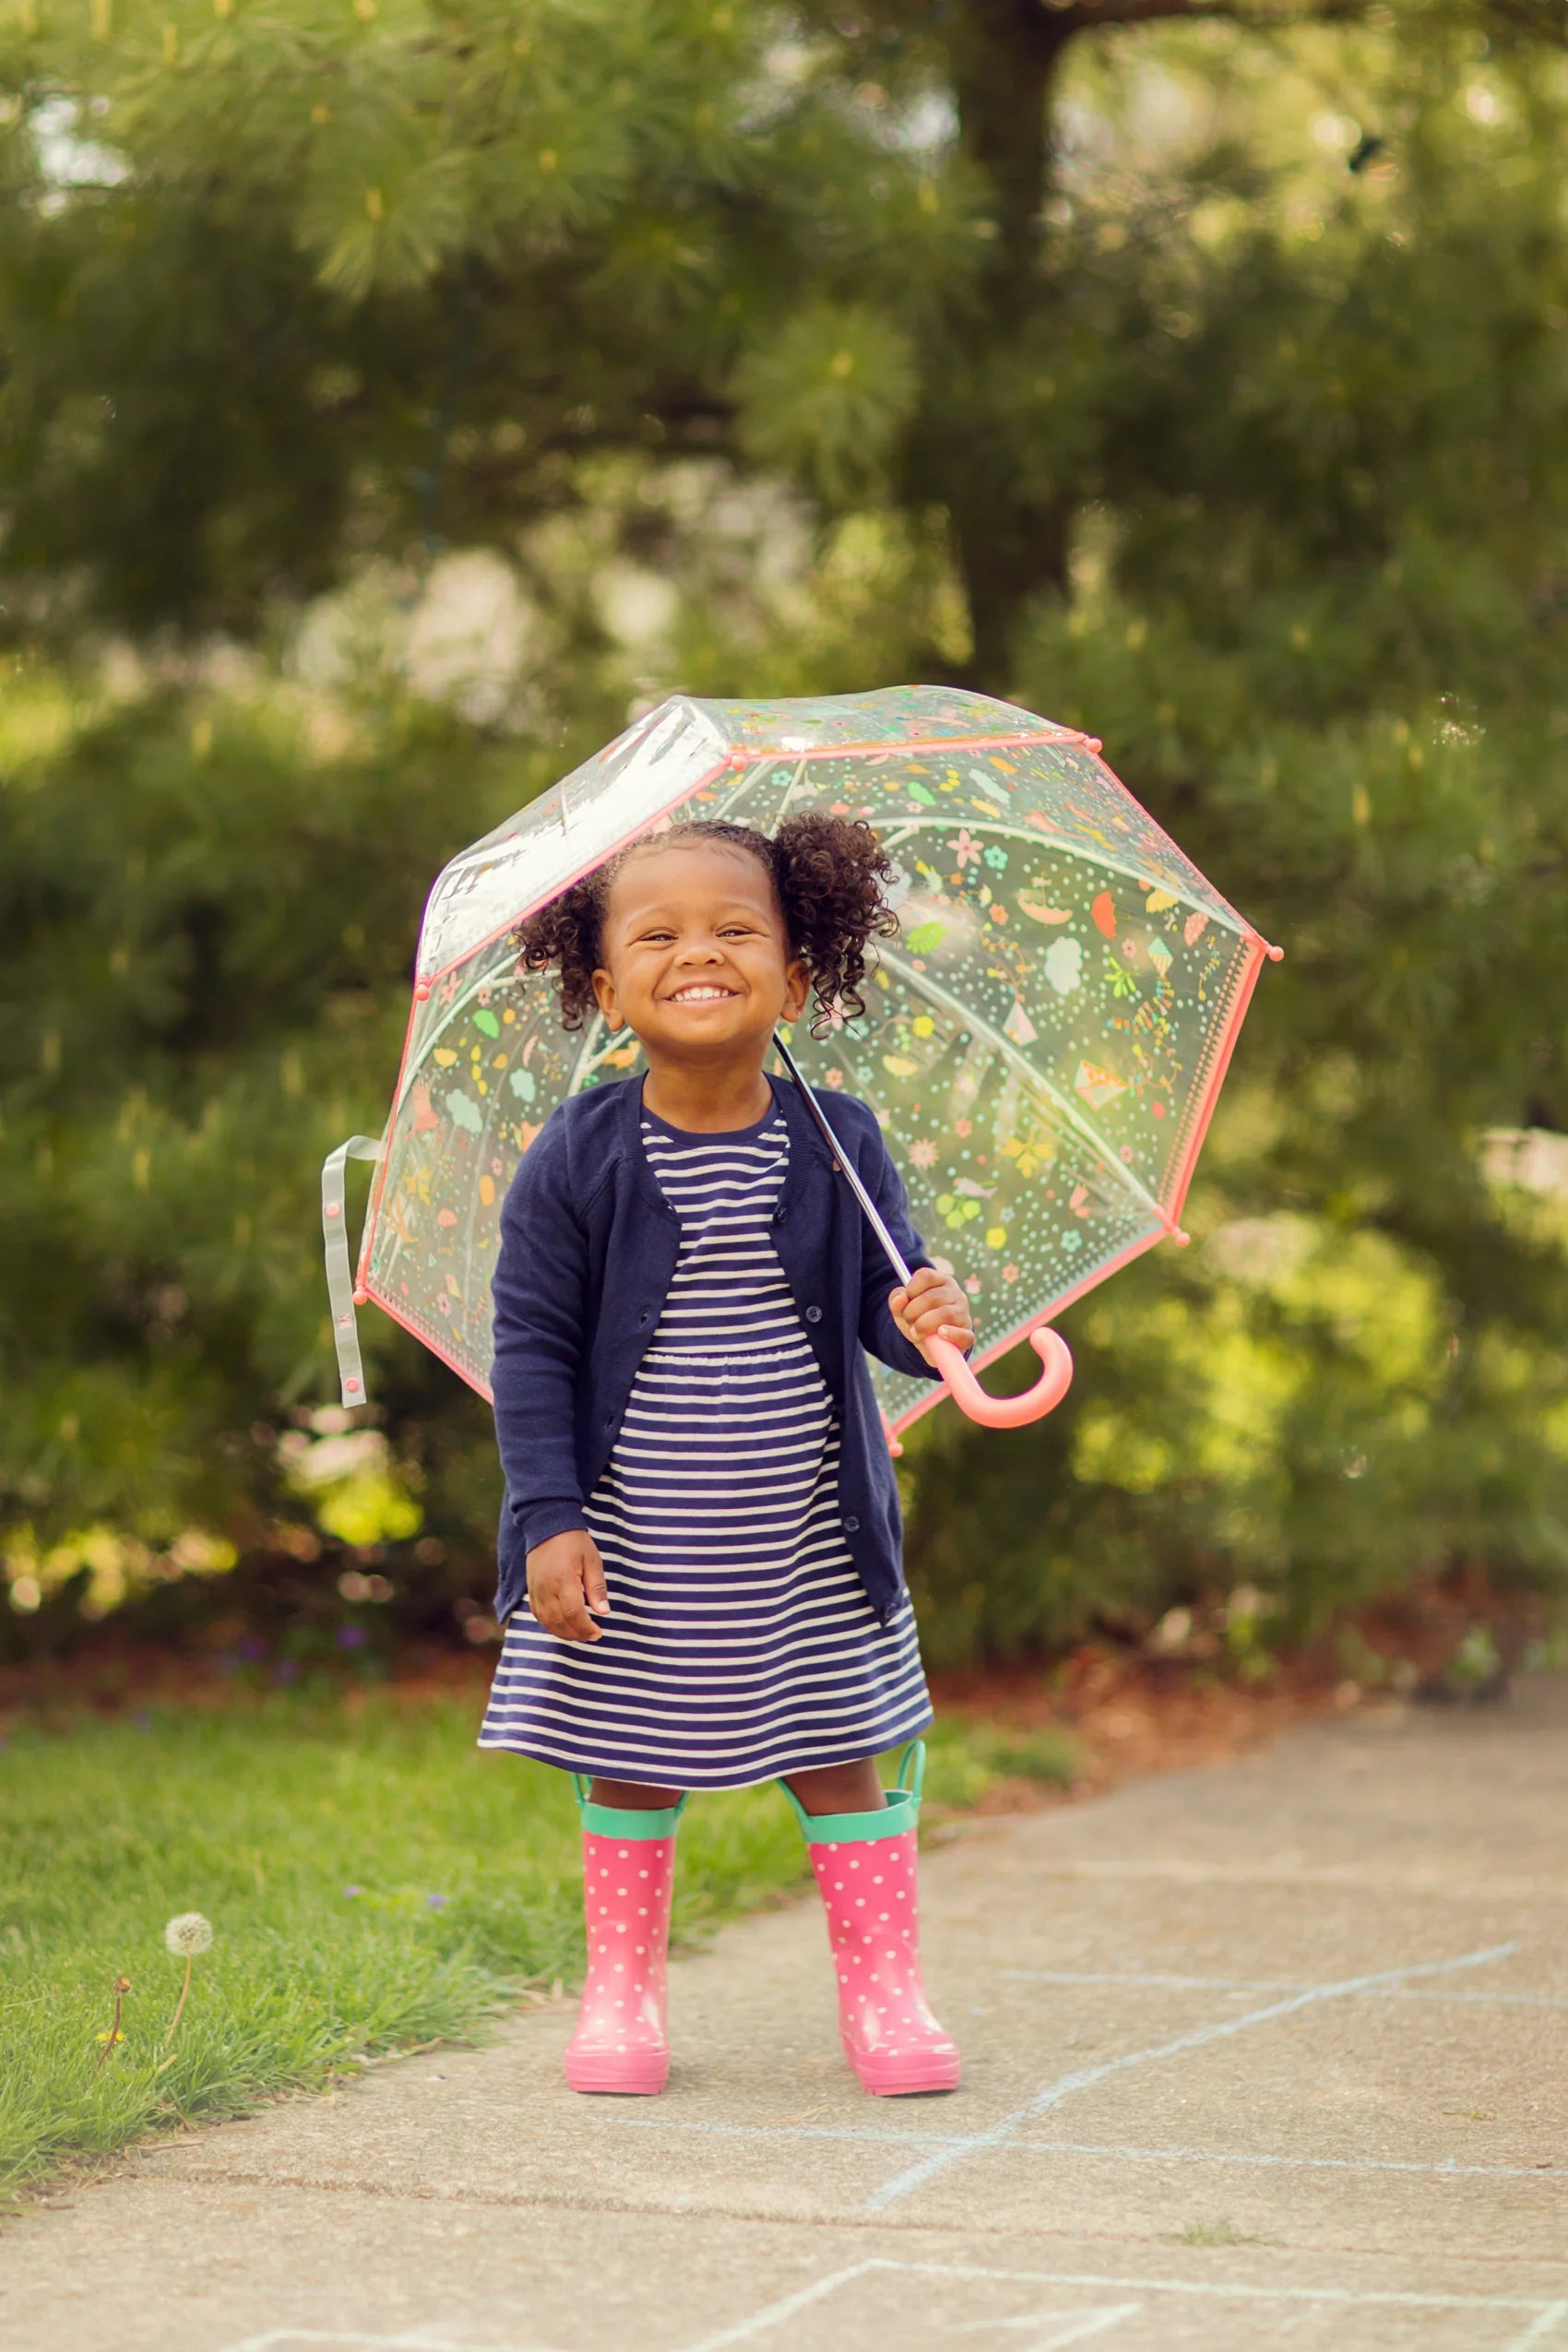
<point x="790" y="791"/>
<point x="591" y="1058"/>
<point x="894" y="839"/>
<point x="1005" y="1046"/>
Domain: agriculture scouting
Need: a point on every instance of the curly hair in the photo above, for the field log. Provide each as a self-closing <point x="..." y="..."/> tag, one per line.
<point x="827" y="875"/>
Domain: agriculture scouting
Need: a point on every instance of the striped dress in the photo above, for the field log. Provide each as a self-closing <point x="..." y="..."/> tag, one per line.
<point x="739" y="1644"/>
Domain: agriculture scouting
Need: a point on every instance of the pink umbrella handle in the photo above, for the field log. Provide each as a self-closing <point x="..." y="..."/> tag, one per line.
<point x="1007" y="1412"/>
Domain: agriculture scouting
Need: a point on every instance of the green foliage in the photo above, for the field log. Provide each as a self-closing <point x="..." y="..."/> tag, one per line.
<point x="827" y="398"/>
<point x="766" y="354"/>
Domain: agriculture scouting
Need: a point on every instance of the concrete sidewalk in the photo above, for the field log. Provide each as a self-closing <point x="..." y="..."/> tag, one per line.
<point x="1272" y="2054"/>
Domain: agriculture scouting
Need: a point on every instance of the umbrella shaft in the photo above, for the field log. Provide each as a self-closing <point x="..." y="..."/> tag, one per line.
<point x="873" y="1215"/>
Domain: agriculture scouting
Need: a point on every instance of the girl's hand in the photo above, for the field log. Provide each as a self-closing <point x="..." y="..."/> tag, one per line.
<point x="565" y="1581"/>
<point x="932" y="1307"/>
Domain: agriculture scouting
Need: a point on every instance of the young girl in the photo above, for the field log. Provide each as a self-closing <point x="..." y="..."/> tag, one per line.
<point x="701" y="1513"/>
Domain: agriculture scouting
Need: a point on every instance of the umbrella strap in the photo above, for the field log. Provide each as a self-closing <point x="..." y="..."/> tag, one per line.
<point x="340" y="1274"/>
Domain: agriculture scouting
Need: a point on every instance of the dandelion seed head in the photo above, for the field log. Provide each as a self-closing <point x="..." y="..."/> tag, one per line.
<point x="188" y="1934"/>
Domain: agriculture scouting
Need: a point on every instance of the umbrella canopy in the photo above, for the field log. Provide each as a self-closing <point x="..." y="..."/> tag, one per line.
<point x="1042" y="1045"/>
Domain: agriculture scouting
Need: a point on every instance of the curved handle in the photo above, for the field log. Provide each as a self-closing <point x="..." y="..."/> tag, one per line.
<point x="1009" y="1412"/>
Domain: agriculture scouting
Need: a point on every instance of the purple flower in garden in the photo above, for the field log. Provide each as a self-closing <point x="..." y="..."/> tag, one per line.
<point x="287" y="1670"/>
<point x="436" y="1902"/>
<point x="350" y="1892"/>
<point x="252" y="1648"/>
<point x="351" y="1637"/>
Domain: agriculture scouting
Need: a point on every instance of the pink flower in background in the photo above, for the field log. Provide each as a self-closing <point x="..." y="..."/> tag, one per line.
<point x="923" y="1154"/>
<point x="962" y="1127"/>
<point x="967" y="850"/>
<point x="833" y="1077"/>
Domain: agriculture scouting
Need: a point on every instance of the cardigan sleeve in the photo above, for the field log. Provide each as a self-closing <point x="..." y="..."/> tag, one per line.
<point x="540" y="1294"/>
<point x="880" y="1336"/>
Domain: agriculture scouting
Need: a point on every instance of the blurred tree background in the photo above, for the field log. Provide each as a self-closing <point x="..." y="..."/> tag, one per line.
<point x="394" y="395"/>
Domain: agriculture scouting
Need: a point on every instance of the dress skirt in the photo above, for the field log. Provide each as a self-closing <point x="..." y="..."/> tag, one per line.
<point x="741" y="1644"/>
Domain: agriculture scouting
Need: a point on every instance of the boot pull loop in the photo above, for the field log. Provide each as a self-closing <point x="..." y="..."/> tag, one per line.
<point x="911" y="1787"/>
<point x="581" y="1783"/>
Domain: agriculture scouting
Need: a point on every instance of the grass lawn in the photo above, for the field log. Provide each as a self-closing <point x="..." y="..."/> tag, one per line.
<point x="372" y="1882"/>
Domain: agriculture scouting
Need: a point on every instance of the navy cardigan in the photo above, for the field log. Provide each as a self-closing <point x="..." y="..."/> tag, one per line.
<point x="588" y="1249"/>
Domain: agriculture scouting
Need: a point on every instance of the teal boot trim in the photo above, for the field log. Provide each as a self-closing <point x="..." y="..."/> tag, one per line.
<point x="612" y="1821"/>
<point x="901" y="1811"/>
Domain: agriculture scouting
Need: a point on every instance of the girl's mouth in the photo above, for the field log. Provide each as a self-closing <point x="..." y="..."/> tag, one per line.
<point x="701" y="992"/>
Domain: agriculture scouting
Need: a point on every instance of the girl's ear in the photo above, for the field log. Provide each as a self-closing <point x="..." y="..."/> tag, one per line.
<point x="797" y="988"/>
<point x="608" y="1004"/>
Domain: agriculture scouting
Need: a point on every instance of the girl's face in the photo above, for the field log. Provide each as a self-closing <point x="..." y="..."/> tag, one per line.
<point x="696" y="960"/>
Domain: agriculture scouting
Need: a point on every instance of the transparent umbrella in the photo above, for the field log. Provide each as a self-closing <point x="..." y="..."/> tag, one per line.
<point x="1043" y="1044"/>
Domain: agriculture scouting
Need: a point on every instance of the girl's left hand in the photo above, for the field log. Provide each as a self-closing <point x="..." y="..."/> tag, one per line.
<point x="932" y="1307"/>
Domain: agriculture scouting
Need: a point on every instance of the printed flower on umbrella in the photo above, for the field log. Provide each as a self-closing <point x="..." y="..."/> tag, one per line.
<point x="1027" y="1155"/>
<point x="923" y="1153"/>
<point x="966" y="849"/>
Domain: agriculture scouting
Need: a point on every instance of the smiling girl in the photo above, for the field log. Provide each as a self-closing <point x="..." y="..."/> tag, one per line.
<point x="701" y="1577"/>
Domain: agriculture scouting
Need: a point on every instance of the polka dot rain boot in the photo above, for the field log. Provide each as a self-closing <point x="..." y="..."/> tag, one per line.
<point x="866" y="1868"/>
<point x="628" y="1875"/>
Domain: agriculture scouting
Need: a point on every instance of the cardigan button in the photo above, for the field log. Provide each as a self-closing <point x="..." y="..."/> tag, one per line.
<point x="813" y="1315"/>
<point x="851" y="1527"/>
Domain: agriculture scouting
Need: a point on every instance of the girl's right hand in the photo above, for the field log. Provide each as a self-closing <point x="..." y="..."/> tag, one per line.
<point x="565" y="1581"/>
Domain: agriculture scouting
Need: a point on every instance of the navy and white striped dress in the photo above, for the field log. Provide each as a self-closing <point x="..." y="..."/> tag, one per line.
<point x="740" y="1643"/>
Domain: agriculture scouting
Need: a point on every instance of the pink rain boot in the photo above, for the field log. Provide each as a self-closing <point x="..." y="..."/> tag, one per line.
<point x="865" y="1867"/>
<point x="628" y="1873"/>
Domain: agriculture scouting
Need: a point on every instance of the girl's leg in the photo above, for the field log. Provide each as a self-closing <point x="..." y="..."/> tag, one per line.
<point x="839" y="1788"/>
<point x="864" y="1860"/>
<point x="628" y="1876"/>
<point x="632" y="1795"/>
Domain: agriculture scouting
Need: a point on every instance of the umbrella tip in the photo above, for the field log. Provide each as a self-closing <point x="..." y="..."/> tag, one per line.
<point x="1181" y="1238"/>
<point x="1275" y="955"/>
<point x="422" y="994"/>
